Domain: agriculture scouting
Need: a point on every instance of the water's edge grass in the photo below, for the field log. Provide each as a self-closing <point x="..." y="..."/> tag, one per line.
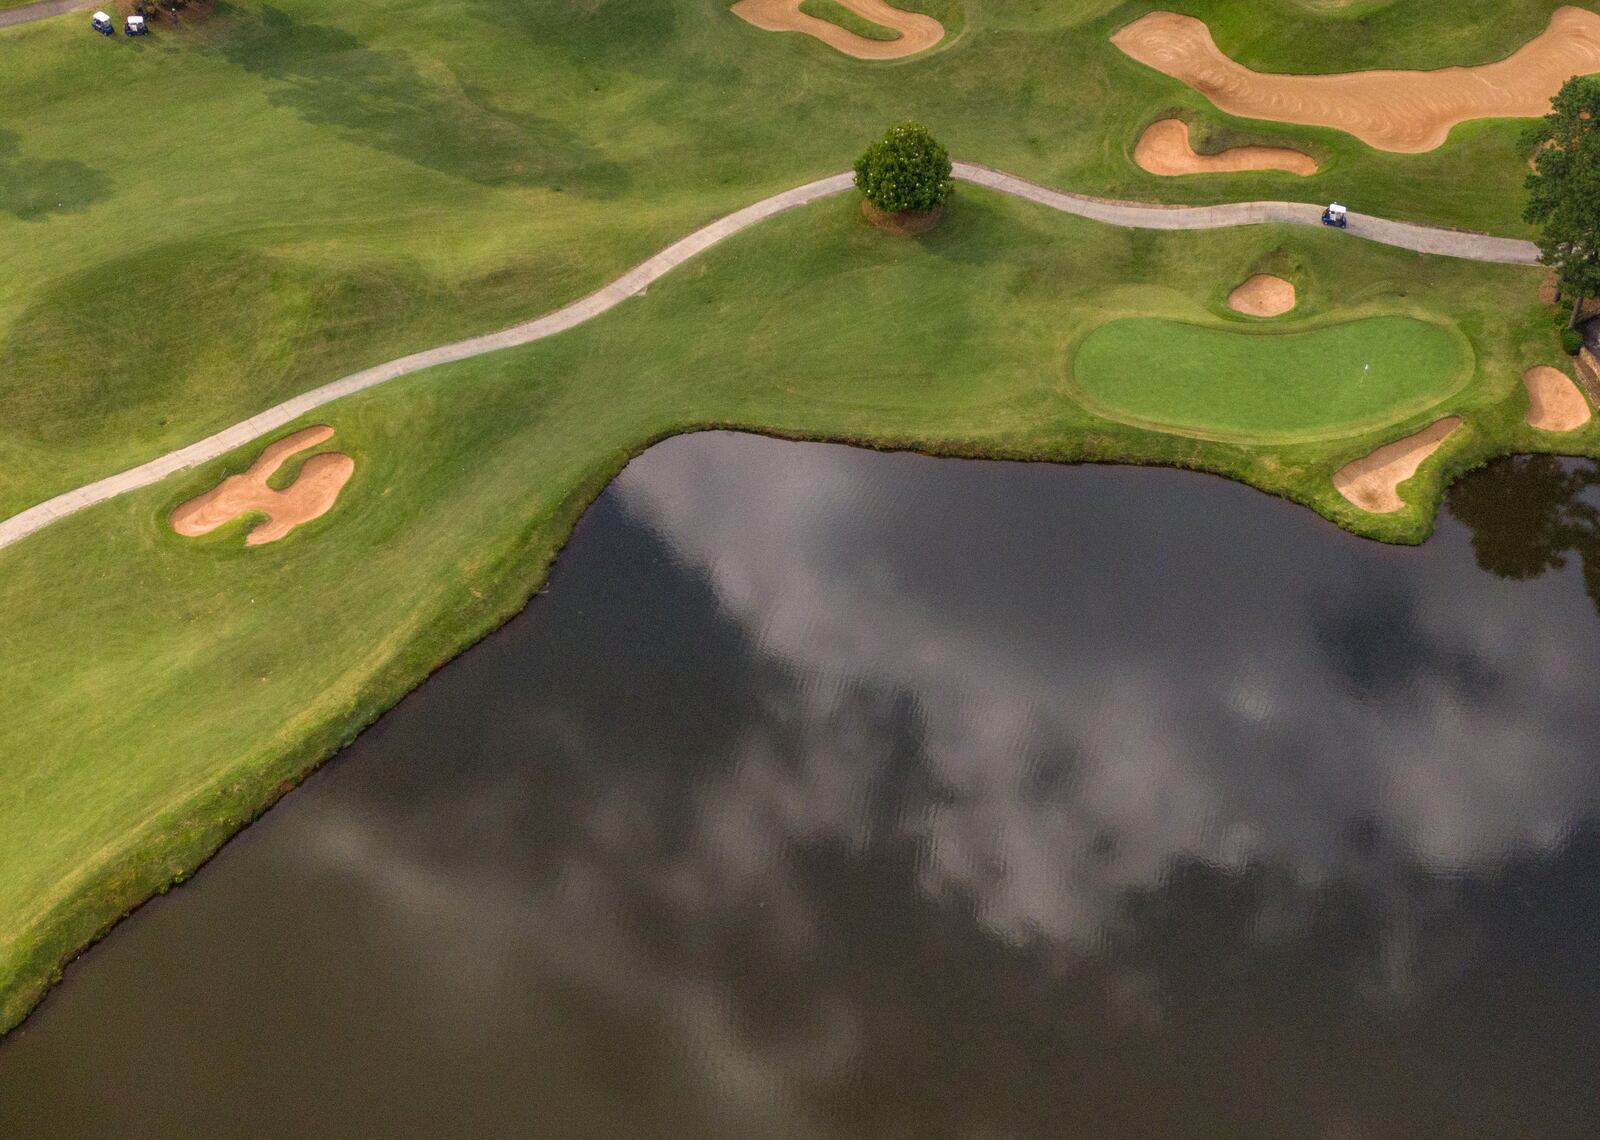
<point x="173" y="847"/>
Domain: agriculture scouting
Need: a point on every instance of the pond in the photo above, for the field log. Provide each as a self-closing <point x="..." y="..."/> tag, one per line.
<point x="826" y="793"/>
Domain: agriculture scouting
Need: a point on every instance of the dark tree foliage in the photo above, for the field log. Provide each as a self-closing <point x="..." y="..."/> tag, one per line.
<point x="1564" y="190"/>
<point x="905" y="170"/>
<point x="1530" y="514"/>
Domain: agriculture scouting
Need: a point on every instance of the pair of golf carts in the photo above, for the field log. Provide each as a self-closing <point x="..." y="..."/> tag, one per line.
<point x="135" y="25"/>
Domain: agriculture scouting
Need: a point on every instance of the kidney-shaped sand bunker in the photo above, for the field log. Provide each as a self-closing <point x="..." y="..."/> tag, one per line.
<point x="1373" y="481"/>
<point x="1554" y="401"/>
<point x="310" y="496"/>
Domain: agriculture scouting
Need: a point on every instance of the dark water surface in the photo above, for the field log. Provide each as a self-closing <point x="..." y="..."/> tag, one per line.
<point x="832" y="794"/>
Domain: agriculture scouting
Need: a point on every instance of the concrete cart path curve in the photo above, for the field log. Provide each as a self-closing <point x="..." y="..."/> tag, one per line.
<point x="1424" y="239"/>
<point x="44" y="10"/>
<point x="1406" y="235"/>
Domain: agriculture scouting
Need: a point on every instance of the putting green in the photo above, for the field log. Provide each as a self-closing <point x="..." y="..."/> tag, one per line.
<point x="1262" y="386"/>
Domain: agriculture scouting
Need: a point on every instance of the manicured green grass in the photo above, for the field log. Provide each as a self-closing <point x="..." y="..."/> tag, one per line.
<point x="161" y="691"/>
<point x="836" y="13"/>
<point x="1226" y="383"/>
<point x="201" y="224"/>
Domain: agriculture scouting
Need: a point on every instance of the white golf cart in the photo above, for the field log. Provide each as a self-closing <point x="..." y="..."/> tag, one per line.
<point x="1336" y="215"/>
<point x="137" y="27"/>
<point x="101" y="23"/>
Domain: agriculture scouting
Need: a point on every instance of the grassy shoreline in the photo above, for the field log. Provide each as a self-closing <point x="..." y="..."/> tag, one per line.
<point x="180" y="846"/>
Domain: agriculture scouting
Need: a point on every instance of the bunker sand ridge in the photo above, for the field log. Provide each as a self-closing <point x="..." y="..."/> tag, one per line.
<point x="310" y="496"/>
<point x="1403" y="111"/>
<point x="917" y="31"/>
<point x="1164" y="149"/>
<point x="1554" y="401"/>
<point x="1373" y="481"/>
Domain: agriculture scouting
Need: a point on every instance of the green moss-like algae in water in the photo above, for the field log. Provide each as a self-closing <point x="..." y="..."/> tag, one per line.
<point x="1268" y="386"/>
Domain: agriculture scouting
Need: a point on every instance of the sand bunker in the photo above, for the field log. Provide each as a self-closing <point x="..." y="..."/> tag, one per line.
<point x="1409" y="111"/>
<point x="1555" y="404"/>
<point x="310" y="496"/>
<point x="917" y="32"/>
<point x="1372" y="482"/>
<point x="1263" y="296"/>
<point x="1164" y="149"/>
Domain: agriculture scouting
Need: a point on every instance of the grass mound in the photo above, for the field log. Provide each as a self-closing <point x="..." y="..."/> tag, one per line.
<point x="1224" y="383"/>
<point x="836" y="13"/>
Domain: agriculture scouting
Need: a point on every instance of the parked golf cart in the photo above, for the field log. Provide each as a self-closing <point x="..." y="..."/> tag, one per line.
<point x="102" y="24"/>
<point x="137" y="26"/>
<point x="1336" y="215"/>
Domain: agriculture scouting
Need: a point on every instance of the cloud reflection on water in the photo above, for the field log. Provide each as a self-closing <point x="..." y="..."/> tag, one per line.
<point x="830" y="794"/>
<point x="1087" y="677"/>
<point x="940" y="806"/>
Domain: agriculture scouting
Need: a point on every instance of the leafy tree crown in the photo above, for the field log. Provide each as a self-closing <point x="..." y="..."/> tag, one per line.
<point x="905" y="170"/>
<point x="1564" y="190"/>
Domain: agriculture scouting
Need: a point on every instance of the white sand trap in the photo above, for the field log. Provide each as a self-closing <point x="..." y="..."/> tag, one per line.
<point x="1407" y="111"/>
<point x="310" y="496"/>
<point x="1372" y="482"/>
<point x="1554" y="401"/>
<point x="1164" y="149"/>
<point x="1263" y="296"/>
<point x="917" y="31"/>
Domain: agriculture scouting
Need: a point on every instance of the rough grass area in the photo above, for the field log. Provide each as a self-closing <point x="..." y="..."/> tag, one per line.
<point x="161" y="691"/>
<point x="294" y="190"/>
<point x="836" y="13"/>
<point x="1225" y="383"/>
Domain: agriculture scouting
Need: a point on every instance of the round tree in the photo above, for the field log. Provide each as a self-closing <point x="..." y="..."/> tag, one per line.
<point x="905" y="178"/>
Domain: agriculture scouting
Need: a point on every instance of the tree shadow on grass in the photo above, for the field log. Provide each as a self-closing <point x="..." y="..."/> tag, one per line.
<point x="610" y="33"/>
<point x="1530" y="513"/>
<point x="380" y="99"/>
<point x="34" y="188"/>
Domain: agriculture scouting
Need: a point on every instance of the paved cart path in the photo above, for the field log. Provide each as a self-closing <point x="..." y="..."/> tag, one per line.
<point x="43" y="10"/>
<point x="1424" y="239"/>
<point x="1406" y="235"/>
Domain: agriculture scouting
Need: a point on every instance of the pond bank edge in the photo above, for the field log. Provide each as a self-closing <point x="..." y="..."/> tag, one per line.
<point x="171" y="848"/>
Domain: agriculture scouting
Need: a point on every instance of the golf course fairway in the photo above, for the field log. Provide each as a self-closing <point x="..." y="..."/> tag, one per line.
<point x="1224" y="383"/>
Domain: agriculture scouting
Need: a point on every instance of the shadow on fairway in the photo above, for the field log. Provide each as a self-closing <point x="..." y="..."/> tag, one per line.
<point x="1528" y="514"/>
<point x="34" y="188"/>
<point x="381" y="100"/>
<point x="612" y="32"/>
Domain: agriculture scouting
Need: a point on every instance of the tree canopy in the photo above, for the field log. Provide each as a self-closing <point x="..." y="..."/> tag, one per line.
<point x="905" y="170"/>
<point x="1564" y="190"/>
